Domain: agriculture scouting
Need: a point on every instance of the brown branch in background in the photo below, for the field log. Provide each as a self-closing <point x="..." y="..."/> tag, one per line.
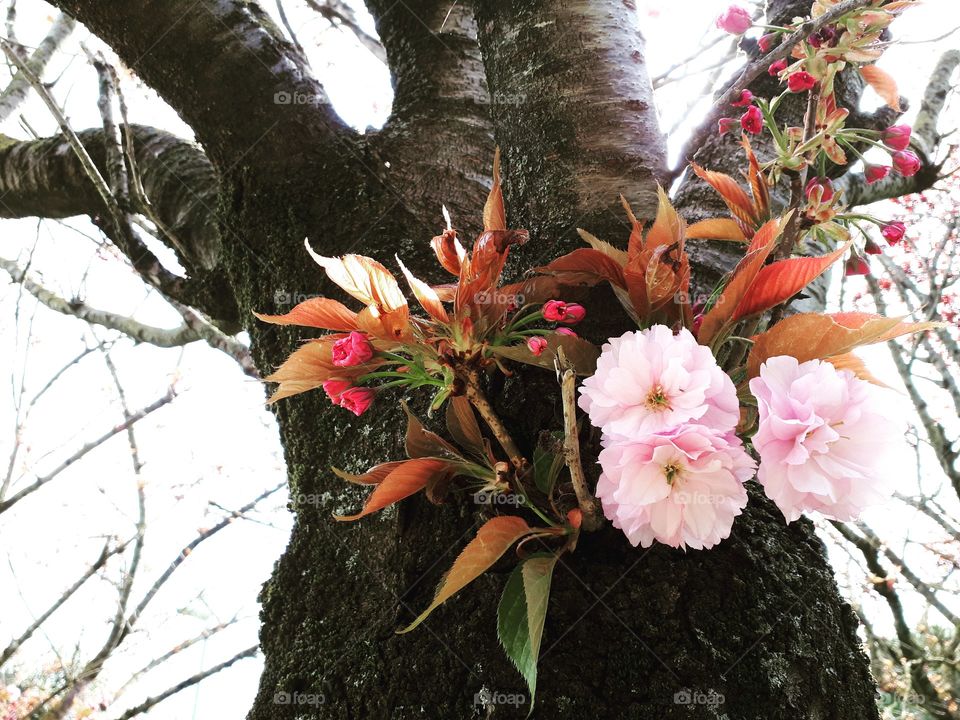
<point x="476" y="397"/>
<point x="589" y="506"/>
<point x="183" y="684"/>
<point x="341" y="15"/>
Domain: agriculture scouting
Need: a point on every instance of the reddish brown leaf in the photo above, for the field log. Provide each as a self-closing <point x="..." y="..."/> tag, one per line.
<point x="716" y="229"/>
<point x="426" y="295"/>
<point x="809" y="336"/>
<point x="321" y="313"/>
<point x="420" y="442"/>
<point x="733" y="195"/>
<point x="463" y="425"/>
<point x="494" y="214"/>
<point x="450" y="253"/>
<point x="884" y="85"/>
<point x="492" y="541"/>
<point x="403" y="481"/>
<point x="855" y="364"/>
<point x="363" y="278"/>
<point x="585" y="263"/>
<point x="782" y="280"/>
<point x="635" y="244"/>
<point x="373" y="476"/>
<point x="308" y="367"/>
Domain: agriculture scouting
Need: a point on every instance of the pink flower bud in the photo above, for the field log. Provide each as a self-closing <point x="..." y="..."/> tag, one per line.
<point x="537" y="345"/>
<point x="725" y="125"/>
<point x="897" y="137"/>
<point x="801" y="81"/>
<point x="906" y="163"/>
<point x="335" y="388"/>
<point x="566" y="331"/>
<point x="357" y="399"/>
<point x="871" y="248"/>
<point x="563" y="312"/>
<point x="354" y="349"/>
<point x="735" y="20"/>
<point x="856" y="266"/>
<point x="893" y="232"/>
<point x="766" y="42"/>
<point x="819" y="190"/>
<point x="752" y="120"/>
<point x="777" y="67"/>
<point x="875" y="173"/>
<point x="746" y="99"/>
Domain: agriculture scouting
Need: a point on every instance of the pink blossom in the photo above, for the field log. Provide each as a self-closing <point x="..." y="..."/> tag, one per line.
<point x="826" y="441"/>
<point x="897" y="137"/>
<point x="752" y="120"/>
<point x="893" y="232"/>
<point x="871" y="248"/>
<point x="777" y="67"/>
<point x="725" y="125"/>
<point x="800" y="81"/>
<point x="354" y="349"/>
<point x="566" y="331"/>
<point x="856" y="266"/>
<point x="652" y="380"/>
<point x="682" y="488"/>
<point x="906" y="163"/>
<point x="765" y="43"/>
<point x="819" y="190"/>
<point x="735" y="20"/>
<point x="560" y="311"/>
<point x="875" y="173"/>
<point x="335" y="388"/>
<point x="357" y="399"/>
<point x="746" y="99"/>
<point x="537" y="345"/>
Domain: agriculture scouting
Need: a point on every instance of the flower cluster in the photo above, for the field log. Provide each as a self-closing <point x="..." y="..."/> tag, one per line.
<point x="673" y="469"/>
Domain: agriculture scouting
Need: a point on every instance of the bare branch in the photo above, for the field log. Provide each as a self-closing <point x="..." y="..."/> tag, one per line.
<point x="16" y="92"/>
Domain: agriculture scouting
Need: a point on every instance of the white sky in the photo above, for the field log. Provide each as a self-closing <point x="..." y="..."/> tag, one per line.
<point x="216" y="442"/>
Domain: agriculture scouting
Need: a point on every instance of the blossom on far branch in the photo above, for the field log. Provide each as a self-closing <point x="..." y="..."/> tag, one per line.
<point x="735" y="20"/>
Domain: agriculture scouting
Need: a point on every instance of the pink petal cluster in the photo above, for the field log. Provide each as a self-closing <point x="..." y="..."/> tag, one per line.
<point x="735" y="20"/>
<point x="352" y="350"/>
<point x="653" y="380"/>
<point x="343" y="394"/>
<point x="682" y="488"/>
<point x="825" y="439"/>
<point x="673" y="469"/>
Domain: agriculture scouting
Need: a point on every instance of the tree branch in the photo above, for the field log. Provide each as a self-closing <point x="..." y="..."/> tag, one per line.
<point x="16" y="92"/>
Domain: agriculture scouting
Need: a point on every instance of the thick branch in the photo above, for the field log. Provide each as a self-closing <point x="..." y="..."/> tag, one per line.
<point x="222" y="65"/>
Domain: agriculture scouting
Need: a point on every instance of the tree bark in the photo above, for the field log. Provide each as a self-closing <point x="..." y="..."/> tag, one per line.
<point x="563" y="87"/>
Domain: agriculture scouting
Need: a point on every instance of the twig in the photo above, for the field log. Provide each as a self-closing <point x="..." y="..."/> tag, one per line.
<point x="592" y="516"/>
<point x="475" y="395"/>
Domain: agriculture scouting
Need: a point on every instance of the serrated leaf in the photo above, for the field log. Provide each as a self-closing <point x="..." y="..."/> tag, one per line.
<point x="716" y="229"/>
<point x="780" y="281"/>
<point x="521" y="615"/>
<point x="403" y="481"/>
<point x="586" y="266"/>
<point x="492" y="541"/>
<point x="582" y="354"/>
<point x="735" y="197"/>
<point x="810" y="336"/>
<point x="373" y="476"/>
<point x="426" y="295"/>
<point x="321" y="313"/>
<point x="420" y="442"/>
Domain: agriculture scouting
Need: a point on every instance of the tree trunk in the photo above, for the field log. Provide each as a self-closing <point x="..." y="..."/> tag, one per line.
<point x="630" y="633"/>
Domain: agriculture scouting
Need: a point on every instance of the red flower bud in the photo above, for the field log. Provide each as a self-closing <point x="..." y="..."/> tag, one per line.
<point x="871" y="248"/>
<point x="559" y="311"/>
<point x="801" y="81"/>
<point x="354" y="349"/>
<point x="752" y="120"/>
<point x="566" y="331"/>
<point x="893" y="232"/>
<point x="725" y="125"/>
<point x="537" y="345"/>
<point x="897" y="137"/>
<point x="819" y="190"/>
<point x="335" y="388"/>
<point x="767" y="41"/>
<point x="856" y="266"/>
<point x="906" y="163"/>
<point x="357" y="399"/>
<point x="746" y="99"/>
<point x="875" y="173"/>
<point x="776" y="68"/>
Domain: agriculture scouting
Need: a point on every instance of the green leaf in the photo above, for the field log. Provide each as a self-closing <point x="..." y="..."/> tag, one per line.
<point x="546" y="469"/>
<point x="522" y="611"/>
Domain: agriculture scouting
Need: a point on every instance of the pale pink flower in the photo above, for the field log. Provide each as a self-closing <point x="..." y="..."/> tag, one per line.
<point x="735" y="20"/>
<point x="826" y="440"/>
<point x="653" y="380"/>
<point x="682" y="488"/>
